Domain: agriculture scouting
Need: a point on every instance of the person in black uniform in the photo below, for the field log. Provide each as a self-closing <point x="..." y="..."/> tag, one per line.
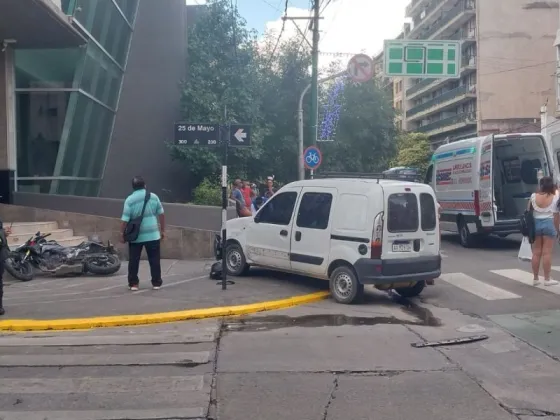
<point x="4" y="249"/>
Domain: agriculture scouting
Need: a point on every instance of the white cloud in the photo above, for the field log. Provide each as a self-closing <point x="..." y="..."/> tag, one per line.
<point x="351" y="26"/>
<point x="195" y="2"/>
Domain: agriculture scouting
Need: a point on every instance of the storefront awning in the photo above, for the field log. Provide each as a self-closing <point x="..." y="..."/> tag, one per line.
<point x="37" y="24"/>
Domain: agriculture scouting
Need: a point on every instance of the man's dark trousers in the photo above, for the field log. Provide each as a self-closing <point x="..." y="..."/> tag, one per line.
<point x="134" y="253"/>
<point x="1" y="284"/>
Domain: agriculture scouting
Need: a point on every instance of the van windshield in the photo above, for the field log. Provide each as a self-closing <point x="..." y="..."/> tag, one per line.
<point x="403" y="213"/>
<point x="516" y="163"/>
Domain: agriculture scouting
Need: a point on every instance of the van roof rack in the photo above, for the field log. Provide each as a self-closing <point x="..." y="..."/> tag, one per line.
<point x="363" y="175"/>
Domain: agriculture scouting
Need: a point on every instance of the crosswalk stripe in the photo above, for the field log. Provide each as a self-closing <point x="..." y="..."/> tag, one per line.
<point x="164" y="413"/>
<point x="478" y="288"/>
<point x="139" y="359"/>
<point x="105" y="385"/>
<point x="526" y="278"/>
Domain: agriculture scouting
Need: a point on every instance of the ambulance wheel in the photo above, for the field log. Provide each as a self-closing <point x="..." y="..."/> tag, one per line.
<point x="466" y="238"/>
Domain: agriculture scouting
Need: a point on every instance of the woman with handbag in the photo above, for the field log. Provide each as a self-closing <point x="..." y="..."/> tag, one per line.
<point x="544" y="207"/>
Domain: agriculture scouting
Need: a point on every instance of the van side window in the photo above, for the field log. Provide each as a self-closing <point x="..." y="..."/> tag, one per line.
<point x="278" y="210"/>
<point x="403" y="213"/>
<point x="314" y="210"/>
<point x="428" y="212"/>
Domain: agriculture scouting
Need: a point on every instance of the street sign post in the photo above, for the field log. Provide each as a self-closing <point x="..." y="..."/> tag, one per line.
<point x="240" y="135"/>
<point x="226" y="136"/>
<point x="422" y="59"/>
<point x="312" y="158"/>
<point x="195" y="134"/>
<point x="360" y="68"/>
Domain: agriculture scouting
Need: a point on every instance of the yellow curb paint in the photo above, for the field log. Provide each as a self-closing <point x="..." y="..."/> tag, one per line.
<point x="156" y="318"/>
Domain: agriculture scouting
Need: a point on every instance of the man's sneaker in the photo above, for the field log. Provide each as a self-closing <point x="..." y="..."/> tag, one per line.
<point x="156" y="287"/>
<point x="550" y="282"/>
<point x="133" y="288"/>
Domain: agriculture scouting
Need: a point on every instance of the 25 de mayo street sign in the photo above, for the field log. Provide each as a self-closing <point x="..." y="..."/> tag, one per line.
<point x="194" y="134"/>
<point x="423" y="59"/>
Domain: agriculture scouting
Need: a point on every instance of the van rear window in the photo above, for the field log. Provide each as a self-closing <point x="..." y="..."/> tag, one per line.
<point x="403" y="213"/>
<point x="428" y="212"/>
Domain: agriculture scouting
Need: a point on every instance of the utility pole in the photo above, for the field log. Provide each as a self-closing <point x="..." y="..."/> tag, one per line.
<point x="314" y="109"/>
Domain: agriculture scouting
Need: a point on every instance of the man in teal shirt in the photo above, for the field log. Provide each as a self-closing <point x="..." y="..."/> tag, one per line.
<point x="150" y="235"/>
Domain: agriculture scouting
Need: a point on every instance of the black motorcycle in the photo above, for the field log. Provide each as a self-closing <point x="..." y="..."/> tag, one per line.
<point x="53" y="258"/>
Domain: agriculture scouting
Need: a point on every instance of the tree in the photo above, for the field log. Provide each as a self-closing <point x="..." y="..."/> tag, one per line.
<point x="222" y="77"/>
<point x="365" y="136"/>
<point x="413" y="151"/>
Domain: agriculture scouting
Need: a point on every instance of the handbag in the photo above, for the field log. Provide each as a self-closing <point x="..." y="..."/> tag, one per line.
<point x="527" y="224"/>
<point x="132" y="229"/>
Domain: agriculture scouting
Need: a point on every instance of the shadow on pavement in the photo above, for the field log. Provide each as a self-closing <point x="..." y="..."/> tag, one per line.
<point x="489" y="243"/>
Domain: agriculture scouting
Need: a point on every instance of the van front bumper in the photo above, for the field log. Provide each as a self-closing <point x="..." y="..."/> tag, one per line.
<point x="382" y="272"/>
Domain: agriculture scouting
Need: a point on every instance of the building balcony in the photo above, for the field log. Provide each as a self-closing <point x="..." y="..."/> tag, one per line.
<point x="446" y="125"/>
<point x="414" y="6"/>
<point x="429" y="15"/>
<point x="450" y="98"/>
<point x="450" y="21"/>
<point x="37" y="24"/>
<point x="468" y="64"/>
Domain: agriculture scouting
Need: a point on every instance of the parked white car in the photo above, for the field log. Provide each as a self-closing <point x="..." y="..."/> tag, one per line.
<point x="350" y="231"/>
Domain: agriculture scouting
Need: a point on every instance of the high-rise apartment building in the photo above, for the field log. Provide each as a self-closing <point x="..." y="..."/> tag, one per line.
<point x="507" y="67"/>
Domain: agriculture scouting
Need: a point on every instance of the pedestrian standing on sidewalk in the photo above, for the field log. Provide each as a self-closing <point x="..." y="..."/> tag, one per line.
<point x="4" y="250"/>
<point x="140" y="228"/>
<point x="544" y="206"/>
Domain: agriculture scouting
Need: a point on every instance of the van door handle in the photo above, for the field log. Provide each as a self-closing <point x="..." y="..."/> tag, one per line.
<point x="283" y="233"/>
<point x="298" y="236"/>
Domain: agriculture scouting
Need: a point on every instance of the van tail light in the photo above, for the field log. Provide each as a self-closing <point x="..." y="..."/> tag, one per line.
<point x="377" y="237"/>
<point x="477" y="203"/>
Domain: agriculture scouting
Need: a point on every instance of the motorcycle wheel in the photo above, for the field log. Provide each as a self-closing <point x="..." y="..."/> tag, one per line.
<point x="103" y="265"/>
<point x="19" y="269"/>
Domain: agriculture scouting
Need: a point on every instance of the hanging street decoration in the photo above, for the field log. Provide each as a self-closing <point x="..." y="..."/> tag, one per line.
<point x="331" y="113"/>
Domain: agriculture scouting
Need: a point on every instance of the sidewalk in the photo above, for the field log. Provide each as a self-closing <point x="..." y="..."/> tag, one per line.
<point x="187" y="286"/>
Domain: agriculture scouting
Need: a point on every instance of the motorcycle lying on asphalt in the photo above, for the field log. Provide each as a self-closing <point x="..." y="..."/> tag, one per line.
<point x="53" y="258"/>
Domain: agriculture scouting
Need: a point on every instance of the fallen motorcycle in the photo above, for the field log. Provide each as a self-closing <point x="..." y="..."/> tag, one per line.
<point x="53" y="258"/>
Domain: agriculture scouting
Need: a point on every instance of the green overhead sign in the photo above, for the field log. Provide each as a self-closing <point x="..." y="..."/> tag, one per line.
<point x="423" y="59"/>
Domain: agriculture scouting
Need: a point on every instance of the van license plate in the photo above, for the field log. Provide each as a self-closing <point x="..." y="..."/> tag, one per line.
<point x="402" y="247"/>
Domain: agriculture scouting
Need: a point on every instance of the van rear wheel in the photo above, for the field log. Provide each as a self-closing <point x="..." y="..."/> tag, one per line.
<point x="345" y="287"/>
<point x="408" y="292"/>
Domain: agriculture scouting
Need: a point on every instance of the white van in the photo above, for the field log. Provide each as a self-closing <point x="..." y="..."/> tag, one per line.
<point x="482" y="184"/>
<point x="350" y="231"/>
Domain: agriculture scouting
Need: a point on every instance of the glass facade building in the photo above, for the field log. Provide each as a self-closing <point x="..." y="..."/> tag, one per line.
<point x="66" y="101"/>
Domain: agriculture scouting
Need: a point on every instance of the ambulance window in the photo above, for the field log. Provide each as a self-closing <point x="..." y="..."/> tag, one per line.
<point x="403" y="213"/>
<point x="429" y="174"/>
<point x="428" y="212"/>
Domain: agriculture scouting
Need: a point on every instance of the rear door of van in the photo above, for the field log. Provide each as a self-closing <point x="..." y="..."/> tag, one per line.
<point x="411" y="227"/>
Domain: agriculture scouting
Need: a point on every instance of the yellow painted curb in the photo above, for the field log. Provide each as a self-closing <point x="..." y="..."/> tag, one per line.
<point x="128" y="320"/>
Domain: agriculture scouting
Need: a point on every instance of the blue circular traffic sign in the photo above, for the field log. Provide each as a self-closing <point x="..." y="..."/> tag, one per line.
<point x="312" y="157"/>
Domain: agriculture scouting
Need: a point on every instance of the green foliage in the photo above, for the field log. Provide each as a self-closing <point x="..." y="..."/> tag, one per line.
<point x="413" y="151"/>
<point x="208" y="193"/>
<point x="261" y="85"/>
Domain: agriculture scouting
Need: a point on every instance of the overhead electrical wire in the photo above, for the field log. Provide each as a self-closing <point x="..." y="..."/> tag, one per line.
<point x="279" y="35"/>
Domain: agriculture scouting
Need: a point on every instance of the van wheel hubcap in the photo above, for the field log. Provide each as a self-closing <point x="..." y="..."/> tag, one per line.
<point x="343" y="285"/>
<point x="233" y="260"/>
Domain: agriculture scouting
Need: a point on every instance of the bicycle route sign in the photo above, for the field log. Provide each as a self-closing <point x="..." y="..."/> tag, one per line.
<point x="312" y="157"/>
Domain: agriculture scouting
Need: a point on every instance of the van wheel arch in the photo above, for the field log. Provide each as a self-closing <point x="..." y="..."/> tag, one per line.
<point x="339" y="263"/>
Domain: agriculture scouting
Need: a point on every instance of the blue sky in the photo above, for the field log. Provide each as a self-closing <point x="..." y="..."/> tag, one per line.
<point x="349" y="26"/>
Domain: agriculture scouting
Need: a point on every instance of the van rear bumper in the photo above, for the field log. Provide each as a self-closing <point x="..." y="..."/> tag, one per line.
<point x="379" y="272"/>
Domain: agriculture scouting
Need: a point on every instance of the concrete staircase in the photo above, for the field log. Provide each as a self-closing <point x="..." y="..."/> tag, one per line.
<point x="22" y="231"/>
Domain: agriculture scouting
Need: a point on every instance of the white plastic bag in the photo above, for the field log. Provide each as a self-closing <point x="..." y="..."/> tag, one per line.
<point x="525" y="252"/>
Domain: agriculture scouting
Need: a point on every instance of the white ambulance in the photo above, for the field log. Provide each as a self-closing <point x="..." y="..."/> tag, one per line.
<point x="482" y="184"/>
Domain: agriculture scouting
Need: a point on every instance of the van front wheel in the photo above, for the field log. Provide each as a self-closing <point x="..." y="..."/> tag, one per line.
<point x="345" y="287"/>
